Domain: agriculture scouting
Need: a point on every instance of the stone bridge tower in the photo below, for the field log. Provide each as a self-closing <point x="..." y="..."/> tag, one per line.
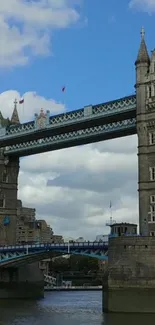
<point x="9" y="170"/>
<point x="145" y="93"/>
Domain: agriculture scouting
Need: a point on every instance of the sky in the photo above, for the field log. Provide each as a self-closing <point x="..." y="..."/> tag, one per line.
<point x="88" y="46"/>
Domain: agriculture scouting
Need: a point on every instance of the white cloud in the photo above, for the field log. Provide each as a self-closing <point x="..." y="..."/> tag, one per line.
<point x="84" y="180"/>
<point x="143" y="5"/>
<point x="26" y="27"/>
<point x="32" y="104"/>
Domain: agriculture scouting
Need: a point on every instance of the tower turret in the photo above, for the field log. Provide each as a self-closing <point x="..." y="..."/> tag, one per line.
<point x="142" y="68"/>
<point x="145" y="118"/>
<point x="143" y="56"/>
<point x="15" y="117"/>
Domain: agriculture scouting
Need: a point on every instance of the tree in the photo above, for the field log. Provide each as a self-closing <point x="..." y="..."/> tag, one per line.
<point x="75" y="263"/>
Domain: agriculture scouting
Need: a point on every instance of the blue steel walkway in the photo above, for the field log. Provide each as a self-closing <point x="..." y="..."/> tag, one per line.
<point x="23" y="254"/>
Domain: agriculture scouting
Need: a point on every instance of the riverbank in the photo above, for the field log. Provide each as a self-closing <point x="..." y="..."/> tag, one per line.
<point x="73" y="288"/>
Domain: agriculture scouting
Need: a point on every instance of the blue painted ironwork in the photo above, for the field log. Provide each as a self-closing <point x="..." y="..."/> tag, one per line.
<point x="44" y="121"/>
<point x="65" y="138"/>
<point x="6" y="221"/>
<point x="10" y="255"/>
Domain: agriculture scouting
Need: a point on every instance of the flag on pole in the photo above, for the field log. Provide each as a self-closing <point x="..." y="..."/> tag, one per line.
<point x="63" y="89"/>
<point x="21" y="101"/>
<point x="110" y="204"/>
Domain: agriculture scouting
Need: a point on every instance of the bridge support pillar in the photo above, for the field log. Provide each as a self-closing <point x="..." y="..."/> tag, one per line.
<point x="9" y="170"/>
<point x="130" y="285"/>
<point x="26" y="282"/>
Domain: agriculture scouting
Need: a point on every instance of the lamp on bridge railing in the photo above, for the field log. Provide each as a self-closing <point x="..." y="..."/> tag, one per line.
<point x="68" y="247"/>
<point x="26" y="240"/>
<point x="6" y="222"/>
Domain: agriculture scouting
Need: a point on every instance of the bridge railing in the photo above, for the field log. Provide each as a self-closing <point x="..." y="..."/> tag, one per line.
<point x="54" y="245"/>
<point x="92" y="111"/>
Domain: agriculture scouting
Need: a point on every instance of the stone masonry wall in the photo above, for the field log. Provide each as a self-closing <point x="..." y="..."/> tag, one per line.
<point x="131" y="262"/>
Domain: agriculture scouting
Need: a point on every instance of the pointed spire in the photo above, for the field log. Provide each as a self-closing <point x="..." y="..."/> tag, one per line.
<point x="142" y="33"/>
<point x="15" y="117"/>
<point x="143" y="56"/>
<point x="1" y="116"/>
<point x="1" y="119"/>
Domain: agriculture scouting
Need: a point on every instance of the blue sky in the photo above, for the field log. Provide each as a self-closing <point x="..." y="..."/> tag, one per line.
<point x="93" y="58"/>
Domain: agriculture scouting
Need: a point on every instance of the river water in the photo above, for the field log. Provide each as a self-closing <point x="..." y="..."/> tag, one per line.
<point x="65" y="308"/>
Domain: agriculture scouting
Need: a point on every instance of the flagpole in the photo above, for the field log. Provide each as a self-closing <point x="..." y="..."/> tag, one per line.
<point x="23" y="111"/>
<point x="110" y="213"/>
<point x="21" y="102"/>
<point x="63" y="91"/>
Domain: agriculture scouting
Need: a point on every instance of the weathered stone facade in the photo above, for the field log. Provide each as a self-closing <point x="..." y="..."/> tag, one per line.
<point x="18" y="224"/>
<point x="26" y="282"/>
<point x="130" y="286"/>
<point x="145" y="93"/>
<point x="25" y="226"/>
<point x="45" y="232"/>
<point x="58" y="239"/>
<point x="9" y="170"/>
<point x="29" y="229"/>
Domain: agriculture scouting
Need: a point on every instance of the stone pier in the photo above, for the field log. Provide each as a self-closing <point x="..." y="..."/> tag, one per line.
<point x="26" y="282"/>
<point x="130" y="284"/>
<point x="9" y="170"/>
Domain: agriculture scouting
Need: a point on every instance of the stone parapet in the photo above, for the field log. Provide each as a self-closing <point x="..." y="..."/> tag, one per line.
<point x="131" y="275"/>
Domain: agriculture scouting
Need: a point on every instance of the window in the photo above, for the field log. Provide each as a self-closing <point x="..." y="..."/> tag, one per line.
<point x="2" y="203"/>
<point x="152" y="208"/>
<point x="152" y="233"/>
<point x="149" y="91"/>
<point x="152" y="138"/>
<point x="152" y="199"/>
<point x="151" y="214"/>
<point x="152" y="173"/>
<point x="4" y="177"/>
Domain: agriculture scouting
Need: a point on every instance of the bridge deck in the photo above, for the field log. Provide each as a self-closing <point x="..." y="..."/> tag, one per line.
<point x="18" y="255"/>
<point x="90" y="124"/>
<point x="80" y="137"/>
<point x="53" y="246"/>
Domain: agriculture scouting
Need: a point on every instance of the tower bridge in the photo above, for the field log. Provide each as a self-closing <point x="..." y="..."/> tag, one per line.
<point x="131" y="277"/>
<point x="89" y="124"/>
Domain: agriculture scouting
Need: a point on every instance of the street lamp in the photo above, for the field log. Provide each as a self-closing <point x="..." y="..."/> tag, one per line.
<point x="27" y="247"/>
<point x="68" y="247"/>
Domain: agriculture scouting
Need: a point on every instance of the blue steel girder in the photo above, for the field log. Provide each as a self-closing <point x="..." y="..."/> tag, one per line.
<point x="74" y="138"/>
<point x="89" y="116"/>
<point x="99" y="254"/>
<point x="103" y="257"/>
<point x="21" y="258"/>
<point x="23" y="254"/>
